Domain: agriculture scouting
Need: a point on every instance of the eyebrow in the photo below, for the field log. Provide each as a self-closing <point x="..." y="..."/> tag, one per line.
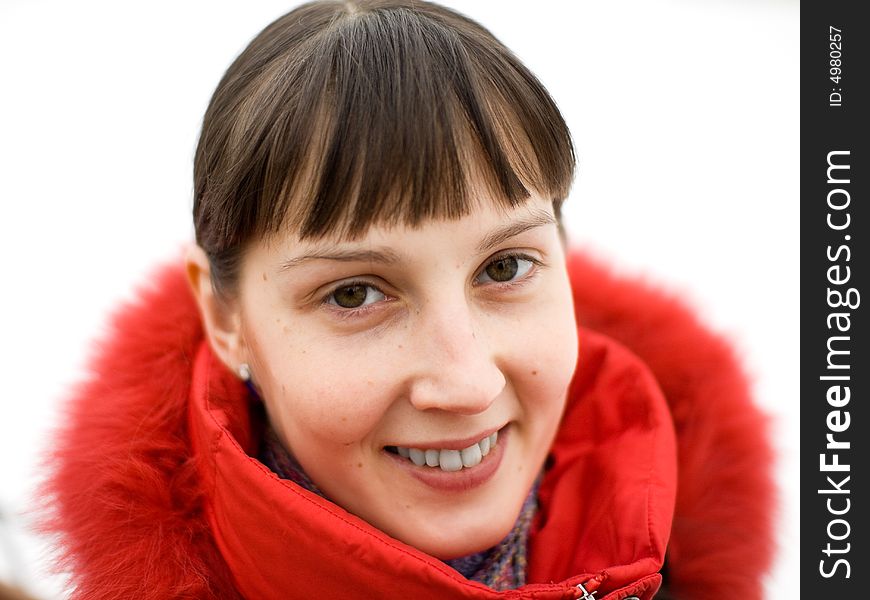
<point x="377" y="256"/>
<point x="538" y="218"/>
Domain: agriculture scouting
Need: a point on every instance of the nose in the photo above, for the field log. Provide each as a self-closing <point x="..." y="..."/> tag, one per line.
<point x="456" y="364"/>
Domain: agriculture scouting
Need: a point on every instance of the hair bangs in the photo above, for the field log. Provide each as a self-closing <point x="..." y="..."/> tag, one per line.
<point x="408" y="122"/>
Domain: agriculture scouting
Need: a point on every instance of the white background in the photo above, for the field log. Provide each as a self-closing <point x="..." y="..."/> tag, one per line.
<point x="684" y="114"/>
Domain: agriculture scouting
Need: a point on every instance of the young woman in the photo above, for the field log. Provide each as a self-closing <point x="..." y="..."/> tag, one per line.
<point x="368" y="379"/>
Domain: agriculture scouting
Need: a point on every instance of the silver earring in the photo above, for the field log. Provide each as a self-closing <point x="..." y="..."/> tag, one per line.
<point x="244" y="372"/>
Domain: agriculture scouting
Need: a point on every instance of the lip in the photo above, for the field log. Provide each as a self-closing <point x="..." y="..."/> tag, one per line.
<point x="458" y="481"/>
<point x="453" y="444"/>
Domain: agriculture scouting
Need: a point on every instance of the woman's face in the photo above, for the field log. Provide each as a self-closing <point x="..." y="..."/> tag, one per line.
<point x="417" y="344"/>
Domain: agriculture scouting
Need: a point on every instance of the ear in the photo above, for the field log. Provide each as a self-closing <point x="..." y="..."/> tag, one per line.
<point x="220" y="318"/>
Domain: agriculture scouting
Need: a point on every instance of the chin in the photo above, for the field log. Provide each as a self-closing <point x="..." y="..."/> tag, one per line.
<point x="457" y="535"/>
<point x="463" y="542"/>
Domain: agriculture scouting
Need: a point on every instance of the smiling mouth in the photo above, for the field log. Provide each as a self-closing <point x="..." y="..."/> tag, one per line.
<point x="445" y="459"/>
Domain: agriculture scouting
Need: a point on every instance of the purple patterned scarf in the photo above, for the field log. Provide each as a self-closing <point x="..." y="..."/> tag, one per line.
<point x="502" y="567"/>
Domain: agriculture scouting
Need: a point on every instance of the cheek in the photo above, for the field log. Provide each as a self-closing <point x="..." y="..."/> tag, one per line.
<point x="313" y="396"/>
<point x="550" y="364"/>
<point x="545" y="357"/>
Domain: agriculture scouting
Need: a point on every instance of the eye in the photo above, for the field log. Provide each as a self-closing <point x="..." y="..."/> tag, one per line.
<point x="506" y="268"/>
<point x="355" y="296"/>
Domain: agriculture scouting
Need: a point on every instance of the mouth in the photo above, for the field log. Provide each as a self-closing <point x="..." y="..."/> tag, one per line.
<point x="449" y="460"/>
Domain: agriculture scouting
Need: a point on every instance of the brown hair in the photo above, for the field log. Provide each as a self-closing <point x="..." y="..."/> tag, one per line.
<point x="340" y="115"/>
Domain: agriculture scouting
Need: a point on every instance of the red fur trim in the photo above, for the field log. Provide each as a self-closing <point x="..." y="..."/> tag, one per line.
<point x="119" y="492"/>
<point x="721" y="541"/>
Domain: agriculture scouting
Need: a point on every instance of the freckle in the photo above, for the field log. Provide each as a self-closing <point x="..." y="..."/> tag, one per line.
<point x="264" y="277"/>
<point x="359" y="465"/>
<point x="408" y="507"/>
<point x="344" y="419"/>
<point x="283" y="389"/>
<point x="534" y="372"/>
<point x="400" y="346"/>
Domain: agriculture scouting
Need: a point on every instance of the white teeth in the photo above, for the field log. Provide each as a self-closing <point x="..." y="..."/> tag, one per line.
<point x="471" y="455"/>
<point x="484" y="446"/>
<point x="417" y="456"/>
<point x="450" y="460"/>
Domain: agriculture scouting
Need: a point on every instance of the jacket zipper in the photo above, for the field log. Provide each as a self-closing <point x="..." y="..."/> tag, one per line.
<point x="587" y="595"/>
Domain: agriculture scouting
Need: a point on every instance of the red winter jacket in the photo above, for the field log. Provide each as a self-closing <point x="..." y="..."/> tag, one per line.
<point x="155" y="494"/>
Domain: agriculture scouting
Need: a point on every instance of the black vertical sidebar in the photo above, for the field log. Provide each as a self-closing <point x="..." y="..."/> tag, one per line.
<point x="835" y="301"/>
